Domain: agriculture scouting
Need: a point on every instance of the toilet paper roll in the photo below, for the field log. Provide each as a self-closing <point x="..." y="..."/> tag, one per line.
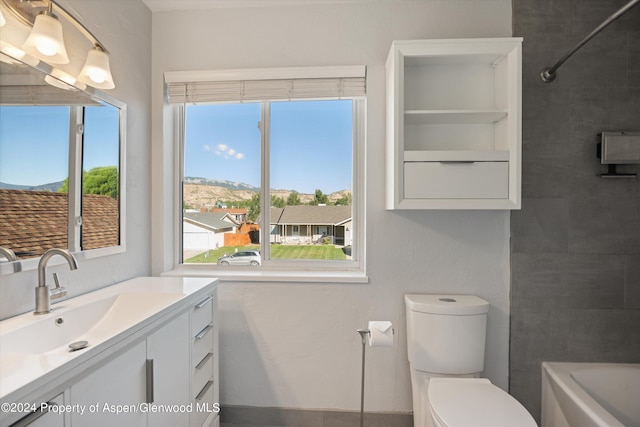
<point x="380" y="333"/>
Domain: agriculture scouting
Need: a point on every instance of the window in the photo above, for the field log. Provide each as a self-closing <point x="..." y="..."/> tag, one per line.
<point x="59" y="177"/>
<point x="270" y="183"/>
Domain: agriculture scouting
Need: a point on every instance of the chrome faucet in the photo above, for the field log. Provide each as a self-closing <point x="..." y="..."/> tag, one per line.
<point x="43" y="294"/>
<point x="8" y="254"/>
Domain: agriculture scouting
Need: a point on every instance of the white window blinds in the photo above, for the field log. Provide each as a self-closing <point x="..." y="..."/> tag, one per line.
<point x="271" y="84"/>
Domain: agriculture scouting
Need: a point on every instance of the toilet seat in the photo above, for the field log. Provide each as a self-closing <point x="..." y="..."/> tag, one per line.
<point x="475" y="402"/>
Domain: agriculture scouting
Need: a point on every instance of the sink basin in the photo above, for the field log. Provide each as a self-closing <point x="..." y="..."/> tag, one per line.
<point x="92" y="322"/>
<point x="56" y="329"/>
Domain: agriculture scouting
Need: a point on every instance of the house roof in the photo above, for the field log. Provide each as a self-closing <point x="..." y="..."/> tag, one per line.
<point x="33" y="221"/>
<point x="213" y="220"/>
<point x="233" y="211"/>
<point x="310" y="215"/>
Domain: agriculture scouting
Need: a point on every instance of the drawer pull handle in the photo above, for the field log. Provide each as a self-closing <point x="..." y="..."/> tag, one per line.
<point x="457" y="162"/>
<point x="33" y="416"/>
<point x="204" y="361"/>
<point x="204" y="332"/>
<point x="204" y="302"/>
<point x="204" y="390"/>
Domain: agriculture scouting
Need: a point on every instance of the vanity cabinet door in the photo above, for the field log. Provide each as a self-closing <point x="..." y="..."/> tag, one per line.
<point x="168" y="348"/>
<point x="113" y="390"/>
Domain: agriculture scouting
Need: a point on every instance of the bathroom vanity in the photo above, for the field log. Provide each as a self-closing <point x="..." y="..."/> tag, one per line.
<point x="150" y="358"/>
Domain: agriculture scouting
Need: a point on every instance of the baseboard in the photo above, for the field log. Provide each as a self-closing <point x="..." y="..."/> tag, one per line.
<point x="288" y="417"/>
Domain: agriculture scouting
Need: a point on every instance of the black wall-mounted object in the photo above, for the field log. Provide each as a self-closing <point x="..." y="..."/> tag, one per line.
<point x="619" y="148"/>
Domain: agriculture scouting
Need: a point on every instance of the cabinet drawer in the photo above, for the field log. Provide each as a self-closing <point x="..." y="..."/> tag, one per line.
<point x="202" y="372"/>
<point x="449" y="180"/>
<point x="203" y="405"/>
<point x="202" y="314"/>
<point x="202" y="344"/>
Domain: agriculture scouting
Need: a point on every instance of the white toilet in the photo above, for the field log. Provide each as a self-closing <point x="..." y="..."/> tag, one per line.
<point x="445" y="343"/>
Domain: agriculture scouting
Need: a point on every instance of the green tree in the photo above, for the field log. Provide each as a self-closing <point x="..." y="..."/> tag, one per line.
<point x="99" y="180"/>
<point x="319" y="198"/>
<point x="293" y="199"/>
<point x="277" y="202"/>
<point x="344" y="200"/>
<point x="253" y="209"/>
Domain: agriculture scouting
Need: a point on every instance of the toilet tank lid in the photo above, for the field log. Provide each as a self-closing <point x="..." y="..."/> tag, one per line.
<point x="446" y="304"/>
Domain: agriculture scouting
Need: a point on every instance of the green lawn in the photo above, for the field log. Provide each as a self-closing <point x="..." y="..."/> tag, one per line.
<point x="277" y="252"/>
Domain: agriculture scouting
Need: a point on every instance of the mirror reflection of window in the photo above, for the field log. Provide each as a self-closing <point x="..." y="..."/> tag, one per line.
<point x="34" y="166"/>
<point x="100" y="177"/>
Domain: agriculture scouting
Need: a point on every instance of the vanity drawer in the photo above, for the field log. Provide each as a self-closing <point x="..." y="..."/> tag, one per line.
<point x="202" y="372"/>
<point x="451" y="180"/>
<point x="202" y="343"/>
<point x="202" y="314"/>
<point x="203" y="405"/>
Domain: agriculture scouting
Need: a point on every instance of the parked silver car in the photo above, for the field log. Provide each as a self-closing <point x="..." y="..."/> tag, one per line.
<point x="241" y="258"/>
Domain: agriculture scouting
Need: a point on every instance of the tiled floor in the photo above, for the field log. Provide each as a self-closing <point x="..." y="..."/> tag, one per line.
<point x="243" y="425"/>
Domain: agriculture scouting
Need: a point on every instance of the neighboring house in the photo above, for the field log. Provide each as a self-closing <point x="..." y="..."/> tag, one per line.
<point x="312" y="224"/>
<point x="239" y="215"/>
<point x="33" y="221"/>
<point x="202" y="231"/>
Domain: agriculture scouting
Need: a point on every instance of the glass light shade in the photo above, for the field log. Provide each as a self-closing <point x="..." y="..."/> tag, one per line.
<point x="11" y="50"/>
<point x="96" y="71"/>
<point x="2" y="20"/>
<point x="62" y="80"/>
<point x="45" y="41"/>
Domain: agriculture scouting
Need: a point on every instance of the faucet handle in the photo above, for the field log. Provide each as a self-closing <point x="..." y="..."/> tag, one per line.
<point x="58" y="291"/>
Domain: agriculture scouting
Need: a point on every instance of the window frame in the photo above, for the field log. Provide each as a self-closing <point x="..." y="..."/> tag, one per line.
<point x="352" y="270"/>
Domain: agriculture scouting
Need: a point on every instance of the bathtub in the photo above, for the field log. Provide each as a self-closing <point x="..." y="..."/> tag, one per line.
<point x="590" y="394"/>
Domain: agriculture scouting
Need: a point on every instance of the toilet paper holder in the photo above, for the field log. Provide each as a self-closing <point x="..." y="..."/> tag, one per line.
<point x="364" y="334"/>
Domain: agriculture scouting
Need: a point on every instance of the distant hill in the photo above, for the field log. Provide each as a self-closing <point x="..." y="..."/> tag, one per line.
<point x="52" y="186"/>
<point x="203" y="192"/>
<point x="224" y="184"/>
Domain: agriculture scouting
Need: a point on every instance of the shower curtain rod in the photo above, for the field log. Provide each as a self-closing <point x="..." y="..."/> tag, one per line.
<point x="548" y="74"/>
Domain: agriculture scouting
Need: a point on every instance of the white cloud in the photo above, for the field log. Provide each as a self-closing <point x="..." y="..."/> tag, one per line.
<point x="205" y="147"/>
<point x="226" y="152"/>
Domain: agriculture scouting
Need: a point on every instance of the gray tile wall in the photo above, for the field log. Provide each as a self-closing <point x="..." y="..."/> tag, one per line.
<point x="575" y="244"/>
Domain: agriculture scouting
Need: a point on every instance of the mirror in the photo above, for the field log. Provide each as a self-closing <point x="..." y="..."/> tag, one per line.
<point x="61" y="168"/>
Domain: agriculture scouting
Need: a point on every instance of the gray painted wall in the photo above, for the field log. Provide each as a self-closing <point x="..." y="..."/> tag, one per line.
<point x="575" y="245"/>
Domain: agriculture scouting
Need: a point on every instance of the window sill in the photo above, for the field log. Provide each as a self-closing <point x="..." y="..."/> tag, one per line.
<point x="246" y="275"/>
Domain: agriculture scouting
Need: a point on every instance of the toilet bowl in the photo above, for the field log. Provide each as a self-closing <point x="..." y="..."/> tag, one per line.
<point x="474" y="402"/>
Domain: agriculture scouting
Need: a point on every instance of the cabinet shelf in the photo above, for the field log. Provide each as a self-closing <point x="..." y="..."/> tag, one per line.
<point x="453" y="116"/>
<point x="456" y="156"/>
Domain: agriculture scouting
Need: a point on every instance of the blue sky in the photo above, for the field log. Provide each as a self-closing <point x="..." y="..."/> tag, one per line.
<point x="34" y="142"/>
<point x="310" y="144"/>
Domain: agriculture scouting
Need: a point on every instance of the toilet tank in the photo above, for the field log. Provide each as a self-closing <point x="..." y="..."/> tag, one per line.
<point x="446" y="333"/>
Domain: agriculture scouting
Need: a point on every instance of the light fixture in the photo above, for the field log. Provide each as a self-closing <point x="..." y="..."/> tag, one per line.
<point x="45" y="41"/>
<point x="96" y="71"/>
<point x="2" y="20"/>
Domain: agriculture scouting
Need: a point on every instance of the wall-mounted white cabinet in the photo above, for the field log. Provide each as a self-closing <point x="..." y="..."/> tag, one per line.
<point x="454" y="124"/>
